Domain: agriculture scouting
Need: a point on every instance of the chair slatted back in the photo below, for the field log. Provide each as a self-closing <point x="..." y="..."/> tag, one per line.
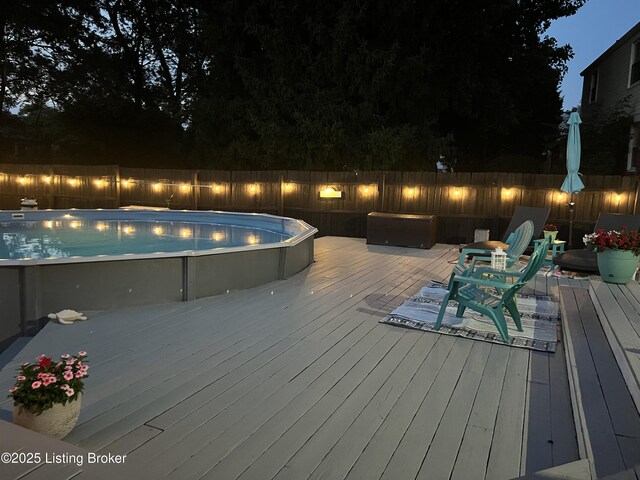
<point x="519" y="240"/>
<point x="533" y="266"/>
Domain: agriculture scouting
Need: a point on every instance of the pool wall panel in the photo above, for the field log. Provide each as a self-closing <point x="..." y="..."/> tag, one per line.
<point x="10" y="321"/>
<point x="298" y="257"/>
<point x="105" y="285"/>
<point x="216" y="274"/>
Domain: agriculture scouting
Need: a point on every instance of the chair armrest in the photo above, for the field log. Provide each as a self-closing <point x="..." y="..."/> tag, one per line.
<point x="467" y="251"/>
<point x="483" y="282"/>
<point x="499" y="273"/>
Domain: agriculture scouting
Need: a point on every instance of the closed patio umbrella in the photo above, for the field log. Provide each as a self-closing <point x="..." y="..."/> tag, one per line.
<point x="572" y="183"/>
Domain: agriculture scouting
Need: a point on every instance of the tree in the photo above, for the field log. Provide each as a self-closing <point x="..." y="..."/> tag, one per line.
<point x="499" y="78"/>
<point x="38" y="39"/>
<point x="265" y="84"/>
<point x="605" y="139"/>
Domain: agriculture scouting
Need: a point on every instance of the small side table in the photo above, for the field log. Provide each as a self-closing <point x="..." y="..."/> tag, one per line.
<point x="557" y="246"/>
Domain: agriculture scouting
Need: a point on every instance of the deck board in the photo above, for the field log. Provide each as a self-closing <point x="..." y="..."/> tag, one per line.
<point x="609" y="420"/>
<point x="280" y="412"/>
<point x="476" y="444"/>
<point x="563" y="430"/>
<point x="297" y="379"/>
<point x="377" y="453"/>
<point x="618" y="308"/>
<point x="506" y="448"/>
<point x="538" y="429"/>
<point x="409" y="455"/>
<point x="446" y="442"/>
<point x="341" y="431"/>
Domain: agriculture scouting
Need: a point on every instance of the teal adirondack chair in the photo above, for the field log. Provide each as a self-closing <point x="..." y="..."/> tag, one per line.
<point x="518" y="242"/>
<point x="488" y="296"/>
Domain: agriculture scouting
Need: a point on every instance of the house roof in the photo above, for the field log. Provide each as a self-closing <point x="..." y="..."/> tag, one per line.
<point x="635" y="29"/>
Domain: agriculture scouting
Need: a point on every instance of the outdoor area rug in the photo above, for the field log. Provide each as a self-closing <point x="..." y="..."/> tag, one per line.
<point x="539" y="317"/>
<point x="555" y="271"/>
<point x="545" y="270"/>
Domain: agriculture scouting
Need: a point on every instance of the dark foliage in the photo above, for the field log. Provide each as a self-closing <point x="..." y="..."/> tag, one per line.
<point x="350" y="84"/>
<point x="605" y="139"/>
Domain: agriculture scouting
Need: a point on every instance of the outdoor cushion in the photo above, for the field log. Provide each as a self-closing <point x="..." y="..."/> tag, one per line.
<point x="489" y="245"/>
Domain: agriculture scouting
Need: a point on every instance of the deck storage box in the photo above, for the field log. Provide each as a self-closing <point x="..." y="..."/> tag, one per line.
<point x="402" y="230"/>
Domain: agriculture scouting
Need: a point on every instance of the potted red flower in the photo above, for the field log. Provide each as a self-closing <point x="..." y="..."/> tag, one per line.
<point x="550" y="230"/>
<point x="618" y="253"/>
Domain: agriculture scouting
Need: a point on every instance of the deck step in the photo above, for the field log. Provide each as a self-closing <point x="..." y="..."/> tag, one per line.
<point x="12" y="350"/>
<point x="629" y="474"/>
<point x="607" y="422"/>
<point x="618" y="308"/>
<point x="59" y="460"/>
<point x="578" y="470"/>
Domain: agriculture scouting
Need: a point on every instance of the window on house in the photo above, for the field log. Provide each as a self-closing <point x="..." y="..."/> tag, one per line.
<point x="635" y="63"/>
<point x="593" y="87"/>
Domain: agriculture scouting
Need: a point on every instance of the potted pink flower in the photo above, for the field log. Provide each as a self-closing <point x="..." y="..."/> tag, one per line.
<point x="47" y="393"/>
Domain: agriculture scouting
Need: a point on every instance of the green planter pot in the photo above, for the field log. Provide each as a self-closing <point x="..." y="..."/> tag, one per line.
<point x="550" y="233"/>
<point x="617" y="266"/>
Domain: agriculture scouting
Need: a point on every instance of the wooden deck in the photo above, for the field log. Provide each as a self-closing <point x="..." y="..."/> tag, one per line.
<point x="608" y="422"/>
<point x="297" y="379"/>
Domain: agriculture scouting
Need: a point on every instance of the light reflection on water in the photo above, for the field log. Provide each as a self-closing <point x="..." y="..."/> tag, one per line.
<point x="73" y="237"/>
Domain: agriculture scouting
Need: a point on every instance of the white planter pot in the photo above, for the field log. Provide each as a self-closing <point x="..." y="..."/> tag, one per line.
<point x="55" y="422"/>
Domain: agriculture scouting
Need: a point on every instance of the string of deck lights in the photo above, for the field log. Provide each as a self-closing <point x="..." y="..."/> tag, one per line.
<point x="325" y="192"/>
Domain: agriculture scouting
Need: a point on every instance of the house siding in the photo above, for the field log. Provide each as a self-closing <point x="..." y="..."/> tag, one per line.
<point x="613" y="82"/>
<point x="613" y="68"/>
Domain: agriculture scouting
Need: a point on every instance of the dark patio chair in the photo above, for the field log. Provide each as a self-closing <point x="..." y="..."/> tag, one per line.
<point x="538" y="215"/>
<point x="583" y="260"/>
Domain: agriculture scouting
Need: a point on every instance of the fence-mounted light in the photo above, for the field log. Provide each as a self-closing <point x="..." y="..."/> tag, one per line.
<point x="331" y="192"/>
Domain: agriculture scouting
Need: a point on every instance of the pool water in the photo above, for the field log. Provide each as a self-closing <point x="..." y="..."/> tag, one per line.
<point x="60" y="238"/>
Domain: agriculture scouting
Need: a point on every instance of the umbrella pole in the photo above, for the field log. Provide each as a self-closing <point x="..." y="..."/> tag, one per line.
<point x="571" y="213"/>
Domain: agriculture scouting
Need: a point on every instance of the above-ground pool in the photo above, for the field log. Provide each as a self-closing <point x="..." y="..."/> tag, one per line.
<point x="100" y="259"/>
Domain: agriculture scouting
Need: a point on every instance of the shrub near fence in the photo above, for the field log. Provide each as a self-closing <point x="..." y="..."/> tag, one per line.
<point x="462" y="201"/>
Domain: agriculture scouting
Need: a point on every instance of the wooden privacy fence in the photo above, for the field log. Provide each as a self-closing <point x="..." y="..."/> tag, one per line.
<point x="462" y="201"/>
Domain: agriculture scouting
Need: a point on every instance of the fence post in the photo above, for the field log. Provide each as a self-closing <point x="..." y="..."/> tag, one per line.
<point x="281" y="197"/>
<point x="231" y="180"/>
<point x="381" y="188"/>
<point x="196" y="190"/>
<point x="52" y="180"/>
<point x="117" y="176"/>
<point x="635" y="202"/>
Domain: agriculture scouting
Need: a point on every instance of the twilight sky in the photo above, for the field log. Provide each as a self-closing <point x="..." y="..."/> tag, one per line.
<point x="591" y="31"/>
